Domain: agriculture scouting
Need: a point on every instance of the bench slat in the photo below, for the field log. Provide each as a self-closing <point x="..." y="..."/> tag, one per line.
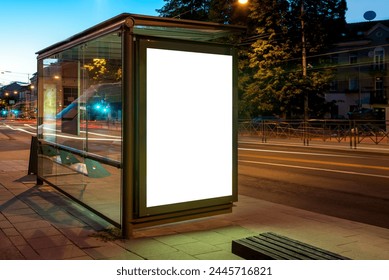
<point x="299" y="252"/>
<point x="304" y="246"/>
<point x="254" y="251"/>
<point x="271" y="246"/>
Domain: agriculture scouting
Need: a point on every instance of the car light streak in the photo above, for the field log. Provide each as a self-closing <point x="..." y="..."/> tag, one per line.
<point x="107" y="137"/>
<point x="315" y="169"/>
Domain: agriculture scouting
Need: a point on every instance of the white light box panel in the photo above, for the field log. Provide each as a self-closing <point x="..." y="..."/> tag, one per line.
<point x="189" y="126"/>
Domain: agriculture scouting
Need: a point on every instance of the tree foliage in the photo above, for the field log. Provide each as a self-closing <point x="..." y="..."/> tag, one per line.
<point x="278" y="83"/>
<point x="186" y="9"/>
<point x="272" y="80"/>
<point x="100" y="69"/>
<point x="220" y="11"/>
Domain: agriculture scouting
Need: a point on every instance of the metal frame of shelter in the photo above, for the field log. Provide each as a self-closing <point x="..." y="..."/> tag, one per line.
<point x="137" y="32"/>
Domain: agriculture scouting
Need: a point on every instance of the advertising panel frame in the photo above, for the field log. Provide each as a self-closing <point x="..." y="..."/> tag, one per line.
<point x="143" y="44"/>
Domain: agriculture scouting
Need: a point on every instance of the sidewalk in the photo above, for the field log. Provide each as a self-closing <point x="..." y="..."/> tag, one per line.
<point x="37" y="222"/>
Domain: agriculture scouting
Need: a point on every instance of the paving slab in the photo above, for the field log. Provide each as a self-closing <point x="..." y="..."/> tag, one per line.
<point x="146" y="247"/>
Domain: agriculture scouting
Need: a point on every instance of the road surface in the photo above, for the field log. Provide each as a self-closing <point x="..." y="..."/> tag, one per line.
<point x="348" y="184"/>
<point x="344" y="183"/>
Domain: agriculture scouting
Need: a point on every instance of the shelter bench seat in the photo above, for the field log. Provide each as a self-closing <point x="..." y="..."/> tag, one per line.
<point x="271" y="246"/>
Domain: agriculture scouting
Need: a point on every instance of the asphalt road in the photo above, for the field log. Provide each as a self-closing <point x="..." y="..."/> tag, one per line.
<point x="348" y="184"/>
<point x="15" y="135"/>
<point x="345" y="183"/>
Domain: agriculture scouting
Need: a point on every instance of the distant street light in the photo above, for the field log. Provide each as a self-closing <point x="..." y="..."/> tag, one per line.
<point x="243" y="1"/>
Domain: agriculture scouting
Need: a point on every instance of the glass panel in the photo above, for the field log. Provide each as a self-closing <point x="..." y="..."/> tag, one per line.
<point x="102" y="97"/>
<point x="81" y="110"/>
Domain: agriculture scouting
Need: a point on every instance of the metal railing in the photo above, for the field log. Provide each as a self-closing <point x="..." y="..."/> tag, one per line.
<point x="352" y="132"/>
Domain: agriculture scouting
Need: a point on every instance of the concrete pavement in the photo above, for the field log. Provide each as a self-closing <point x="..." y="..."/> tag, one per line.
<point x="37" y="222"/>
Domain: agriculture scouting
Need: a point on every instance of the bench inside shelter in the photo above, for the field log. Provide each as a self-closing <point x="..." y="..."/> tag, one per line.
<point x="271" y="246"/>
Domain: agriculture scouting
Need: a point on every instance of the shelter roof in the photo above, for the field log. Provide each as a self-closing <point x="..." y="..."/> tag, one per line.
<point x="152" y="26"/>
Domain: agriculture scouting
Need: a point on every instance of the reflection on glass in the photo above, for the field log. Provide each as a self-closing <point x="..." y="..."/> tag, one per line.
<point x="82" y="112"/>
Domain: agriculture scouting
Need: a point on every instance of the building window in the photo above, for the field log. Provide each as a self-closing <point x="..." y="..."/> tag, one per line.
<point x="353" y="59"/>
<point x="379" y="87"/>
<point x="379" y="58"/>
<point x="353" y="84"/>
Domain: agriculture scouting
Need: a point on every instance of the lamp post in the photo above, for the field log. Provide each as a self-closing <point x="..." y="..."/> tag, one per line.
<point x="304" y="66"/>
<point x="304" y="58"/>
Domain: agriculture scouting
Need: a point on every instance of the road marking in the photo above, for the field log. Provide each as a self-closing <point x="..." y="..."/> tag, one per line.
<point x="315" y="169"/>
<point x="297" y="153"/>
<point x="341" y="164"/>
<point x="19" y="129"/>
<point x="83" y="131"/>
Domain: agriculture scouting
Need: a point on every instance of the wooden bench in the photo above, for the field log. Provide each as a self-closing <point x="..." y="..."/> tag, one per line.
<point x="271" y="246"/>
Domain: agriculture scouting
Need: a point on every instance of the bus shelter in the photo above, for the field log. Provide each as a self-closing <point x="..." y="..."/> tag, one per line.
<point x="137" y="119"/>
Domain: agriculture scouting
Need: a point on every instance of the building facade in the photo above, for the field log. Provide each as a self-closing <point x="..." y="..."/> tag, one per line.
<point x="360" y="89"/>
<point x="18" y="100"/>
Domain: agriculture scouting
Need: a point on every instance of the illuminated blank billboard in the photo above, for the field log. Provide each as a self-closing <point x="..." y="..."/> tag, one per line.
<point x="189" y="126"/>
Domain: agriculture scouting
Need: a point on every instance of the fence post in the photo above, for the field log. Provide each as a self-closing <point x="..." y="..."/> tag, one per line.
<point x="305" y="133"/>
<point x="353" y="135"/>
<point x="264" y="140"/>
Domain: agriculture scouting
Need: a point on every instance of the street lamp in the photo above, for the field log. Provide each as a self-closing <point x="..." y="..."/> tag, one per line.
<point x="243" y="2"/>
<point x="304" y="66"/>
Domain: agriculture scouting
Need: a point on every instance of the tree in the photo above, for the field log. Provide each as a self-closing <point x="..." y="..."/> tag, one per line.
<point x="266" y="59"/>
<point x="186" y="9"/>
<point x="278" y="81"/>
<point x="324" y="22"/>
<point x="272" y="80"/>
<point x="100" y="70"/>
<point x="219" y="11"/>
<point x="228" y="12"/>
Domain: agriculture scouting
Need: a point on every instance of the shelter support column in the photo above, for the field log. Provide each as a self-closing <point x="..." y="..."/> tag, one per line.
<point x="128" y="132"/>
